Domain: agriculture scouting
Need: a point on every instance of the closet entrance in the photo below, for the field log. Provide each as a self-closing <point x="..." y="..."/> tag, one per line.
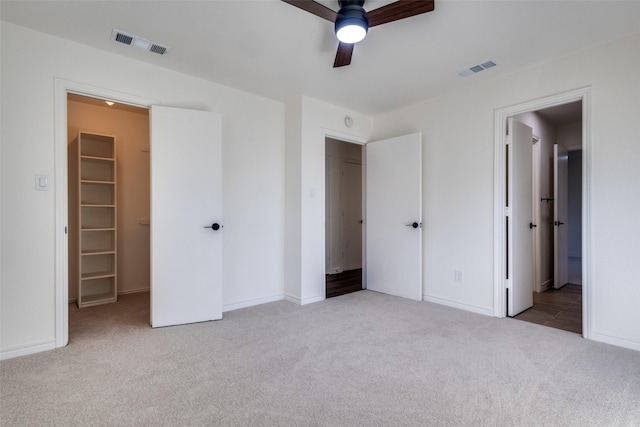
<point x="108" y="169"/>
<point x="343" y="217"/>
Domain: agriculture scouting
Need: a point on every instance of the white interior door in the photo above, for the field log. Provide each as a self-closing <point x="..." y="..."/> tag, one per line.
<point x="393" y="204"/>
<point x="520" y="229"/>
<point x="351" y="216"/>
<point x="560" y="216"/>
<point x="186" y="176"/>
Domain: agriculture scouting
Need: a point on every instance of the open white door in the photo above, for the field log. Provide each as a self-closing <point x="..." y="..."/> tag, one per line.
<point x="520" y="228"/>
<point x="560" y="216"/>
<point x="394" y="216"/>
<point x="186" y="176"/>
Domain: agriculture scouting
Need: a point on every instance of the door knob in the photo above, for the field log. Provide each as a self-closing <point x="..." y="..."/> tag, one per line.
<point x="531" y="225"/>
<point x="215" y="226"/>
<point x="557" y="223"/>
<point x="414" y="225"/>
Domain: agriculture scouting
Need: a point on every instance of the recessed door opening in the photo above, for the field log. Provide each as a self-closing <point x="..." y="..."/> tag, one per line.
<point x="556" y="225"/>
<point x="108" y="171"/>
<point x="343" y="217"/>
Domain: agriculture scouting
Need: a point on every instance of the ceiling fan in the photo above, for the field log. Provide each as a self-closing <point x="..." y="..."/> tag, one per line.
<point x="352" y="21"/>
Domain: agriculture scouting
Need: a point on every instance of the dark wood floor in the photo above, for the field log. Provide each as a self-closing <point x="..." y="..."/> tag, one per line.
<point x="556" y="308"/>
<point x="344" y="283"/>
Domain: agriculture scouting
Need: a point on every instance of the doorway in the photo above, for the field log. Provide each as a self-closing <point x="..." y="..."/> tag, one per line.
<point x="201" y="164"/>
<point x="557" y="299"/>
<point x="125" y="242"/>
<point x="553" y="107"/>
<point x="343" y="217"/>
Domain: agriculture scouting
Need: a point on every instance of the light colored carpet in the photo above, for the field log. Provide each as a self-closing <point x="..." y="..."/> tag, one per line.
<point x="362" y="359"/>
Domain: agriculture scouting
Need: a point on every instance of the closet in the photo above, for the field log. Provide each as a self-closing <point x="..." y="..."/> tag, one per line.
<point x="108" y="200"/>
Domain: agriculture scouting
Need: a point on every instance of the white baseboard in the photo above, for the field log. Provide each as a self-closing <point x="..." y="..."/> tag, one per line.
<point x="620" y="342"/>
<point x="251" y="302"/>
<point x="459" y="305"/>
<point x="312" y="300"/>
<point x="27" y="349"/>
<point x="305" y="301"/>
<point x="292" y="299"/>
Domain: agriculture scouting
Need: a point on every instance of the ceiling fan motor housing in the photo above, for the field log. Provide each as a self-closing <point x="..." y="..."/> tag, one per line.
<point x="345" y="3"/>
<point x="351" y="13"/>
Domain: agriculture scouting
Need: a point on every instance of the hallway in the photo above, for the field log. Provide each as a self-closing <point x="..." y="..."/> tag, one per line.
<point x="556" y="308"/>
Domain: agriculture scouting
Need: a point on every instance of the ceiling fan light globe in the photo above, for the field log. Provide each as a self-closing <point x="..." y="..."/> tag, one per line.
<point x="351" y="33"/>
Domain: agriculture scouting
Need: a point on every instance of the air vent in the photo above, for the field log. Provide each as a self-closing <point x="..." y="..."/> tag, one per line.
<point x="156" y="48"/>
<point x="138" y="42"/>
<point x="123" y="38"/>
<point x="476" y="68"/>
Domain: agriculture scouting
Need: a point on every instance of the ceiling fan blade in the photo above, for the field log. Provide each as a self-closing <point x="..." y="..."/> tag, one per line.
<point x="398" y="10"/>
<point x="314" y="8"/>
<point x="343" y="56"/>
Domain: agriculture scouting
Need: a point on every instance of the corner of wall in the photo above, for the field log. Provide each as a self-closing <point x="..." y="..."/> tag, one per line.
<point x="292" y="198"/>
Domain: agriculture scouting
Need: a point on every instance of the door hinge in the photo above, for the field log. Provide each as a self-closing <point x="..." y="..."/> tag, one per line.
<point x="507" y="140"/>
<point x="65" y="230"/>
<point x="507" y="211"/>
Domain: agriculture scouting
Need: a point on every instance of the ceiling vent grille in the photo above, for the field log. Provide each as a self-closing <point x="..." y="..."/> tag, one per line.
<point x="156" y="48"/>
<point x="477" y="68"/>
<point x="138" y="42"/>
<point x="122" y="38"/>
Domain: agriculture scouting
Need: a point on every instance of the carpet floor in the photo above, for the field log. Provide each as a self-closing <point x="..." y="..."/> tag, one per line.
<point x="361" y="359"/>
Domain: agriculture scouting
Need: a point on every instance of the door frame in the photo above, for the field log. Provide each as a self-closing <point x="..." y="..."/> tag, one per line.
<point x="500" y="243"/>
<point x="537" y="262"/>
<point x="329" y="133"/>
<point x="61" y="196"/>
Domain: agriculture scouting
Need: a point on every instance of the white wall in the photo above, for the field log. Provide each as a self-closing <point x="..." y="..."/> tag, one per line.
<point x="570" y="135"/>
<point x="293" y="200"/>
<point x="253" y="174"/>
<point x="308" y="122"/>
<point x="458" y="135"/>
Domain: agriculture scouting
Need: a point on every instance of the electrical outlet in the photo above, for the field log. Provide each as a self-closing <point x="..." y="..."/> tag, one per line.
<point x="459" y="276"/>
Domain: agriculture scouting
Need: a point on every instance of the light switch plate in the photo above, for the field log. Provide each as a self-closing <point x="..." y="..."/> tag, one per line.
<point x="42" y="182"/>
<point x="459" y="276"/>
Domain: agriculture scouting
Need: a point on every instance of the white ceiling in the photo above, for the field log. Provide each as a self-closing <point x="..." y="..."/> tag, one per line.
<point x="273" y="49"/>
